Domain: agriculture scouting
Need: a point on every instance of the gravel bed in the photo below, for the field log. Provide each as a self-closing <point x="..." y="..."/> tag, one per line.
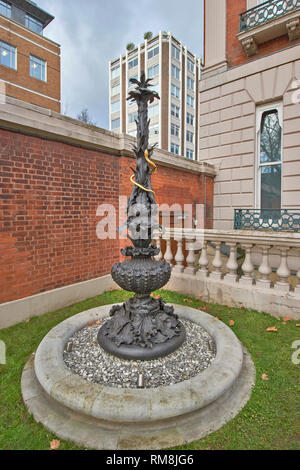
<point x="88" y="360"/>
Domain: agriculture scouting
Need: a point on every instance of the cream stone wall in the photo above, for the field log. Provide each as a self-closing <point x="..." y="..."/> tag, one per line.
<point x="228" y="103"/>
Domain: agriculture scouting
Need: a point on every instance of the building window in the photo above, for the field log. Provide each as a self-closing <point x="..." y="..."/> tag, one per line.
<point x="175" y="72"/>
<point x="115" y="106"/>
<point x="115" y="72"/>
<point x="7" y="55"/>
<point x="269" y="161"/>
<point x="37" y="68"/>
<point x="115" y="123"/>
<point x="154" y="130"/>
<point x="129" y="82"/>
<point x="155" y="88"/>
<point x="175" y="149"/>
<point x="190" y="154"/>
<point x="175" y="91"/>
<point x="153" y="52"/>
<point x="133" y="133"/>
<point x="33" y="24"/>
<point x="190" y="119"/>
<point x="5" y="9"/>
<point x="115" y="90"/>
<point x="153" y="110"/>
<point x="153" y="71"/>
<point x="132" y="117"/>
<point x="133" y="63"/>
<point x="190" y="65"/>
<point x="190" y="101"/>
<point x="175" y="130"/>
<point x="175" y="52"/>
<point x="190" y="83"/>
<point x="175" y="110"/>
<point x="189" y="136"/>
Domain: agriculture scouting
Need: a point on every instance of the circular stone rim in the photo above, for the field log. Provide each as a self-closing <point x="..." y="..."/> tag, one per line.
<point x="137" y="405"/>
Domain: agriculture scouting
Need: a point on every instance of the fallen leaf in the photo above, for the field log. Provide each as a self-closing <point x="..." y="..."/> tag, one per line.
<point x="28" y="320"/>
<point x="287" y="319"/>
<point x="220" y="318"/>
<point x="198" y="299"/>
<point x="258" y="354"/>
<point x="284" y="323"/>
<point x="265" y="377"/>
<point x="92" y="323"/>
<point x="272" y="328"/>
<point x="297" y="324"/>
<point x="231" y="323"/>
<point x="188" y="300"/>
<point x="54" y="444"/>
<point x="242" y="308"/>
<point x="157" y="297"/>
<point x="98" y="322"/>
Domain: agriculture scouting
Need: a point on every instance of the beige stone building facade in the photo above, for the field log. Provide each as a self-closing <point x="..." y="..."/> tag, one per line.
<point x="250" y="108"/>
<point x="174" y="120"/>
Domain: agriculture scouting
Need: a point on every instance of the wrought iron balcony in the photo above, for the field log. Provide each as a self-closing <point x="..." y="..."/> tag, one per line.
<point x="267" y="219"/>
<point x="265" y="12"/>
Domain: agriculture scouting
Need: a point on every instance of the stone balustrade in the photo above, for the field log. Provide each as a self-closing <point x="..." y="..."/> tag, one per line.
<point x="235" y="267"/>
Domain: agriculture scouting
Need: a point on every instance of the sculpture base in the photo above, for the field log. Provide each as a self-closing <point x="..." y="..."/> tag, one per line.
<point x="137" y="353"/>
<point x="143" y="328"/>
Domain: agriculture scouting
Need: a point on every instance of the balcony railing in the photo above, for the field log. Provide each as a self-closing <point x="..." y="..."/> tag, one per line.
<point x="265" y="12"/>
<point x="267" y="219"/>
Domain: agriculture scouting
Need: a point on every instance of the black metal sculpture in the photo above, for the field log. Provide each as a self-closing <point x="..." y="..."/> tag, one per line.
<point x="143" y="328"/>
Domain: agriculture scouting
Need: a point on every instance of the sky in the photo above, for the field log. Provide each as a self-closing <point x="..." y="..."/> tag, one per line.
<point x="93" y="32"/>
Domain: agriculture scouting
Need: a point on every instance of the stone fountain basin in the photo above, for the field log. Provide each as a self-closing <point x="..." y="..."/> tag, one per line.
<point x="49" y="380"/>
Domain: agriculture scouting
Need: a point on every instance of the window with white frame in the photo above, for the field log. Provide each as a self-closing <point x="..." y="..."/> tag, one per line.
<point x="115" y="90"/>
<point x="174" y="130"/>
<point x="115" y="72"/>
<point x="115" y="107"/>
<point x="153" y="110"/>
<point x="190" y="136"/>
<point x="33" y="24"/>
<point x="153" y="71"/>
<point x="133" y="63"/>
<point x="190" y="101"/>
<point x="190" y="65"/>
<point x="269" y="156"/>
<point x="132" y="117"/>
<point x="38" y="68"/>
<point x="175" y="148"/>
<point x="190" y="83"/>
<point x="175" y="72"/>
<point x="5" y="9"/>
<point x="8" y="55"/>
<point x="175" y="91"/>
<point x="154" y="130"/>
<point x="155" y="87"/>
<point x="190" y="119"/>
<point x="115" y="123"/>
<point x="190" y="154"/>
<point x="175" y="53"/>
<point x="175" y="110"/>
<point x="153" y="52"/>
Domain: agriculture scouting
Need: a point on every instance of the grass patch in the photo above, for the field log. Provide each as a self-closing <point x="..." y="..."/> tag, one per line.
<point x="270" y="420"/>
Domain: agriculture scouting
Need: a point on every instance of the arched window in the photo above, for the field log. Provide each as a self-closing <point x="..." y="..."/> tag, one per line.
<point x="269" y="157"/>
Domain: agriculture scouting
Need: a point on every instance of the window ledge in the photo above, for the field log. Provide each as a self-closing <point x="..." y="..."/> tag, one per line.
<point x="286" y="24"/>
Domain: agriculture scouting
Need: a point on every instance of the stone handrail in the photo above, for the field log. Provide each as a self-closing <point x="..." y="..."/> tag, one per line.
<point x="255" y="244"/>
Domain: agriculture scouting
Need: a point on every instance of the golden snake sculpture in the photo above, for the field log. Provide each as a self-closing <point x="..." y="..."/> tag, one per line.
<point x="151" y="163"/>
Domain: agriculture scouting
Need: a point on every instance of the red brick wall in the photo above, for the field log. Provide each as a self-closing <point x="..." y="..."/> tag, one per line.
<point x="49" y="194"/>
<point x="235" y="53"/>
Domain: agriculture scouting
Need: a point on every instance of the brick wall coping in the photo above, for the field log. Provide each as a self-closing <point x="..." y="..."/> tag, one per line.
<point x="26" y="118"/>
<point x="247" y="69"/>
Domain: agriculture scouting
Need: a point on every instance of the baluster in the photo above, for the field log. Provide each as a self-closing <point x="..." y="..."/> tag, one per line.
<point x="217" y="263"/>
<point x="168" y="253"/>
<point x="265" y="269"/>
<point x="297" y="288"/>
<point x="191" y="257"/>
<point x="247" y="267"/>
<point x="232" y="265"/>
<point x="203" y="262"/>
<point x="283" y="271"/>
<point x="179" y="258"/>
<point x="160" y="255"/>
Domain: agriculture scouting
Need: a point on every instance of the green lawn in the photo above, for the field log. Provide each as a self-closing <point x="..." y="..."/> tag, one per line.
<point x="270" y="420"/>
